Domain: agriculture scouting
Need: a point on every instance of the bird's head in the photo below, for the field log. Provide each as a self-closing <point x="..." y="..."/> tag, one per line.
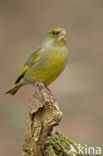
<point x="56" y="36"/>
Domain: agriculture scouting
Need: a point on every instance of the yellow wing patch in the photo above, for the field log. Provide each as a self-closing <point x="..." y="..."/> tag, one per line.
<point x="24" y="70"/>
<point x="22" y="74"/>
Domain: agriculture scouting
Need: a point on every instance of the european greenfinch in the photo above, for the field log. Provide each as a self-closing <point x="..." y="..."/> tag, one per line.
<point x="46" y="63"/>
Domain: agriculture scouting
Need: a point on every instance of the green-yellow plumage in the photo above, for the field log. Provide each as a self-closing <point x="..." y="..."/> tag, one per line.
<point x="46" y="63"/>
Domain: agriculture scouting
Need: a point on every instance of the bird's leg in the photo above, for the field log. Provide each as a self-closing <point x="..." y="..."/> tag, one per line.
<point x="51" y="93"/>
<point x="38" y="83"/>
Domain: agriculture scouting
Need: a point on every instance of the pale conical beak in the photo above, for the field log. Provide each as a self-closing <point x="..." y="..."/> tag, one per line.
<point x="62" y="35"/>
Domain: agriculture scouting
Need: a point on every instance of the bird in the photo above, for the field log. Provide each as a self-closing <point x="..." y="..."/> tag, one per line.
<point x="46" y="63"/>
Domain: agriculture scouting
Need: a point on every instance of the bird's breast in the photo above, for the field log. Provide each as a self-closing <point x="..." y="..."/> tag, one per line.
<point x="49" y="68"/>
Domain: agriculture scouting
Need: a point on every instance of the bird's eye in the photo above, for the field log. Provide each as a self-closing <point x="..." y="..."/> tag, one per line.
<point x="55" y="33"/>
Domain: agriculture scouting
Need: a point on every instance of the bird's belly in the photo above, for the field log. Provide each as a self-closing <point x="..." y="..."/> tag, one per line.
<point x="45" y="72"/>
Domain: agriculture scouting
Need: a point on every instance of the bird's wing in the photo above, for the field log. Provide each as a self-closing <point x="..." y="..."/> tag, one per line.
<point x="34" y="58"/>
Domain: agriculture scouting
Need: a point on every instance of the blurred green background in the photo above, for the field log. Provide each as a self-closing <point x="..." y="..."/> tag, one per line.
<point x="79" y="90"/>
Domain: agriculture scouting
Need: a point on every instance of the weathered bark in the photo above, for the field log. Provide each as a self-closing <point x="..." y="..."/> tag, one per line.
<point x="44" y="114"/>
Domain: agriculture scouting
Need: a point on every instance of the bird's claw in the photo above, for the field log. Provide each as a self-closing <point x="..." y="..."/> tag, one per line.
<point x="51" y="93"/>
<point x="38" y="84"/>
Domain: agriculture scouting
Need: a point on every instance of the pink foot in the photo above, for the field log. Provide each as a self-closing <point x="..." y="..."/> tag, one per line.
<point x="51" y="93"/>
<point x="38" y="84"/>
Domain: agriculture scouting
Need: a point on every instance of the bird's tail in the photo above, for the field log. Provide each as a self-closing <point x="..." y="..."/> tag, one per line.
<point x="14" y="89"/>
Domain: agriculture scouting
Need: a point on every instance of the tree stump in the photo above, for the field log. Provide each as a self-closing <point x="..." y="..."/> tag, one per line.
<point x="39" y="139"/>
